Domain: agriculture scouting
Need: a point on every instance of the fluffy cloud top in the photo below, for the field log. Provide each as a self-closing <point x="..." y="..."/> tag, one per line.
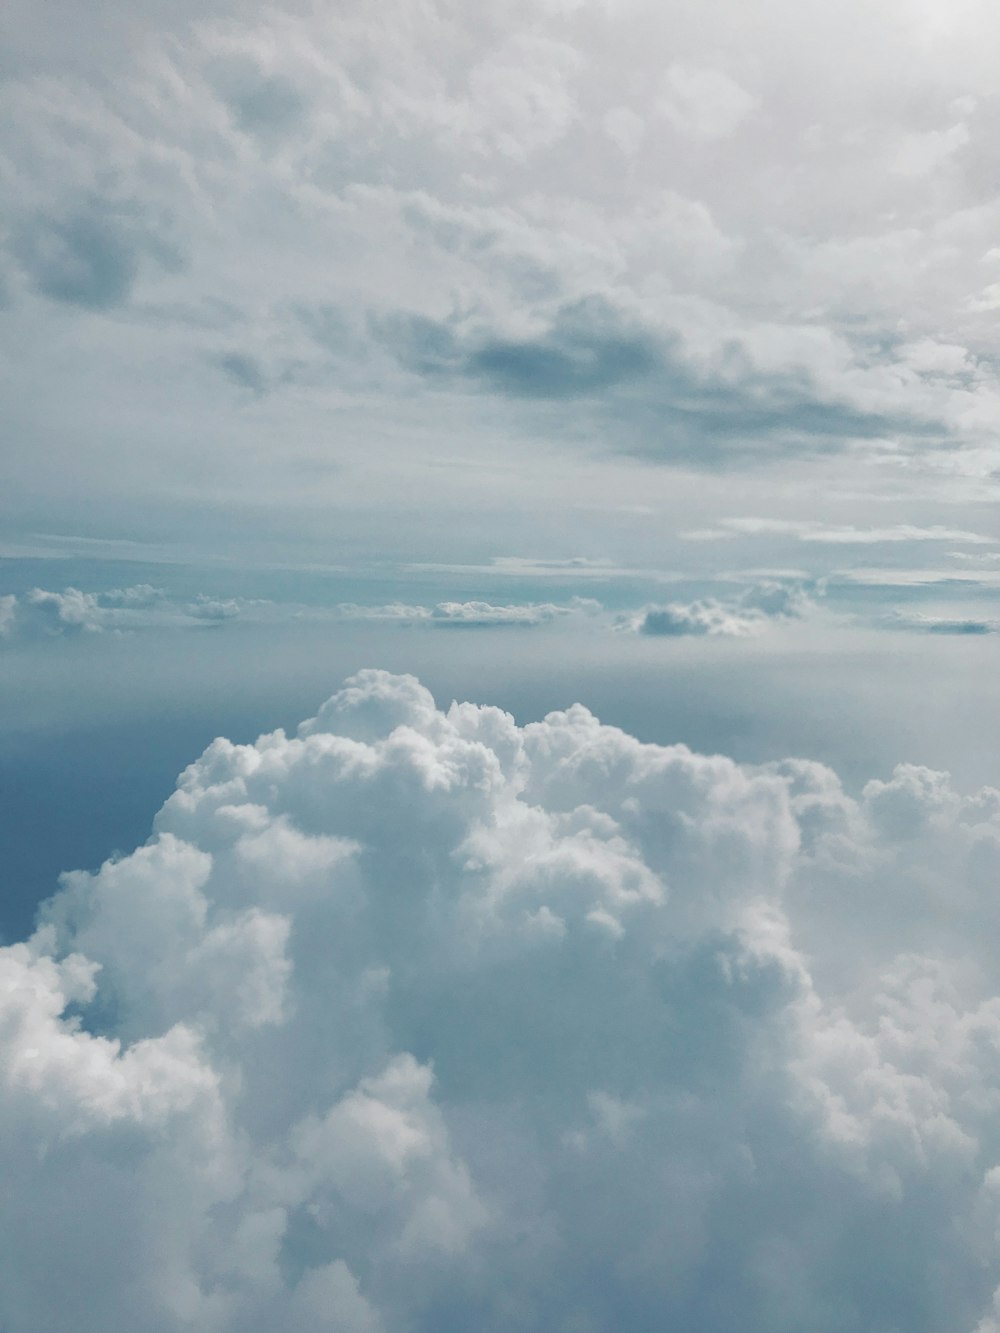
<point x="747" y="614"/>
<point x="419" y="1020"/>
<point x="73" y="612"/>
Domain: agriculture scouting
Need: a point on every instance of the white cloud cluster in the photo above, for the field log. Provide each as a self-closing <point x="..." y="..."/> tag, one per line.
<point x="749" y="613"/>
<point x="472" y="614"/>
<point x="214" y="608"/>
<point x="122" y="610"/>
<point x="419" y="1020"/>
<point x="46" y="613"/>
<point x="75" y="612"/>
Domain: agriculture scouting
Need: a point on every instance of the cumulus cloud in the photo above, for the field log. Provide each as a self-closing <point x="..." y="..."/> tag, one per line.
<point x="472" y="614"/>
<point x="738" y="617"/>
<point x="73" y="612"/>
<point x="215" y="608"/>
<point x="707" y="616"/>
<point x="46" y="613"/>
<point x="423" y="1020"/>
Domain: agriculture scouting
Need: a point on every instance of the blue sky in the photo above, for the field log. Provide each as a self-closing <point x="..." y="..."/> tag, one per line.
<point x="579" y="359"/>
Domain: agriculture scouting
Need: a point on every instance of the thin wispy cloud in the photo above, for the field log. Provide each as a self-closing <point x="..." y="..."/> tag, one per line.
<point x="808" y="530"/>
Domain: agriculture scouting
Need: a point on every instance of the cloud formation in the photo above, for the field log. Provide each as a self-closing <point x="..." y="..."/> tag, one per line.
<point x="41" y="611"/>
<point x="937" y="624"/>
<point x="808" y="530"/>
<point x="88" y="256"/>
<point x="422" y="1020"/>
<point x="639" y="384"/>
<point x="749" y="613"/>
<point x="472" y="614"/>
<point x="44" y="613"/>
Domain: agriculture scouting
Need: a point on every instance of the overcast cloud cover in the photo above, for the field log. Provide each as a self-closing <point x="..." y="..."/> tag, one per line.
<point x="598" y="350"/>
<point x="293" y="266"/>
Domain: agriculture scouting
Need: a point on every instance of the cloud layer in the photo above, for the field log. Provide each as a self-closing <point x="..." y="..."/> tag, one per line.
<point x="642" y="234"/>
<point x="421" y="1020"/>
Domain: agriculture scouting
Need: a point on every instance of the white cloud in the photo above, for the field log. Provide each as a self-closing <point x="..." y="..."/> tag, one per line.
<point x="938" y="624"/>
<point x="625" y="128"/>
<point x="8" y="613"/>
<point x="709" y="616"/>
<point x="519" y="98"/>
<point x="41" y="611"/>
<point x="423" y="1020"/>
<point x="768" y="279"/>
<point x="65" y="611"/>
<point x="214" y="608"/>
<point x="919" y="154"/>
<point x="882" y="576"/>
<point x="73" y="611"/>
<point x="473" y="613"/>
<point x="809" y="530"/>
<point x="703" y="102"/>
<point x="484" y="613"/>
<point x="748" y="614"/>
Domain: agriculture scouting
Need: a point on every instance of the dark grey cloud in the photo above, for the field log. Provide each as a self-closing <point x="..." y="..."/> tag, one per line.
<point x="266" y="106"/>
<point x="579" y="357"/>
<point x="244" y="370"/>
<point x="81" y="259"/>
<point x="90" y="254"/>
<point x="636" y="391"/>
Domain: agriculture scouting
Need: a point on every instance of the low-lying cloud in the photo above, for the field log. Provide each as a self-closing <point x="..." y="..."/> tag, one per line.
<point x="471" y="614"/>
<point x="748" y="614"/>
<point x="923" y="623"/>
<point x="421" y="1020"/>
<point x="73" y="611"/>
<point x="42" y="612"/>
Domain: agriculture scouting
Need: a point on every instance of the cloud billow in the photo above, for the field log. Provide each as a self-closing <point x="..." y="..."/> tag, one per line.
<point x="422" y="1020"/>
<point x="639" y="390"/>
<point x="763" y="604"/>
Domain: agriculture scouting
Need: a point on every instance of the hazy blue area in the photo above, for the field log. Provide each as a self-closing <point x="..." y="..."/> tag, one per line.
<point x="97" y="729"/>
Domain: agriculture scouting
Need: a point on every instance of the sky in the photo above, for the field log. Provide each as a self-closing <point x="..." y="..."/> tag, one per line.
<point x="595" y="403"/>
